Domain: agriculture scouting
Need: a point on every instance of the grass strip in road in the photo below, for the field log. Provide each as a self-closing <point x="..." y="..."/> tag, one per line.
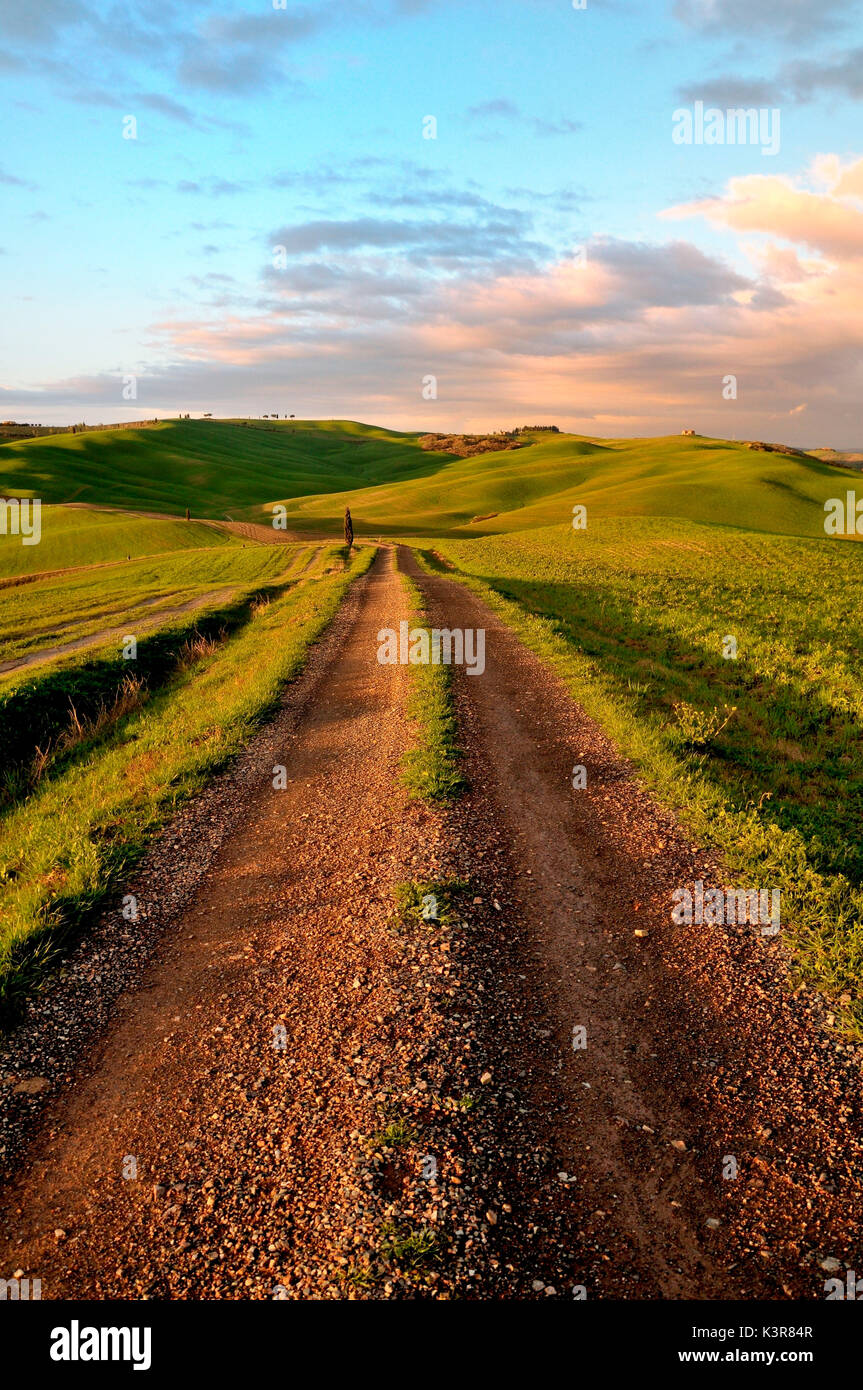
<point x="822" y="912"/>
<point x="431" y="769"/>
<point x="71" y="844"/>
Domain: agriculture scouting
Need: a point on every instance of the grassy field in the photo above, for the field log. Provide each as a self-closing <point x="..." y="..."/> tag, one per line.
<point x="67" y="607"/>
<point x="393" y="486"/>
<point x="89" y="819"/>
<point x="75" y="536"/>
<point x="711" y="481"/>
<point x="690" y="542"/>
<point x="761" y="753"/>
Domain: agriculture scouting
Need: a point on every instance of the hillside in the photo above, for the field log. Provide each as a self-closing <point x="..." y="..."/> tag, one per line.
<point x="707" y="480"/>
<point x="396" y="487"/>
<point x="212" y="467"/>
<point x="74" y="536"/>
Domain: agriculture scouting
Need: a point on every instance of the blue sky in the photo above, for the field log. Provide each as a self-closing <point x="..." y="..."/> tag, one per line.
<point x="302" y="127"/>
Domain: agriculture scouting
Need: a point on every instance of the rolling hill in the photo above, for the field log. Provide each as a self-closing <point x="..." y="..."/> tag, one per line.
<point x="395" y="487"/>
<point x="697" y="479"/>
<point x="74" y="536"/>
<point x="212" y="467"/>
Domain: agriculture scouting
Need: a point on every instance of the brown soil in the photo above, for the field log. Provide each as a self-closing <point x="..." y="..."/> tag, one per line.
<point x="467" y="445"/>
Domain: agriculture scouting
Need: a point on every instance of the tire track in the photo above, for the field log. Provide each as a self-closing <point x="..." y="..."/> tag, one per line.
<point x="116" y="634"/>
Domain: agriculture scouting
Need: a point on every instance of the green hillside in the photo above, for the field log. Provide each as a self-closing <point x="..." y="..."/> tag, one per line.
<point x="212" y="467"/>
<point x="80" y="536"/>
<point x="394" y="487"/>
<point x="697" y="479"/>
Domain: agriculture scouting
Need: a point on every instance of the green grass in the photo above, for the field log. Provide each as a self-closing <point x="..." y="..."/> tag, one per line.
<point x="393" y="487"/>
<point x="711" y="481"/>
<point x="74" y="536"/>
<point x="53" y="611"/>
<point x="412" y="901"/>
<point x="431" y="766"/>
<point x="213" y="467"/>
<point x="398" y="1133"/>
<point x="79" y="833"/>
<point x="763" y="755"/>
<point x="48" y="708"/>
<point x="408" y="1250"/>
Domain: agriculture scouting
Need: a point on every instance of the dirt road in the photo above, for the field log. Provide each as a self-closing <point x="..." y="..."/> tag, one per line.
<point x="298" y="1094"/>
<point x="190" y="1086"/>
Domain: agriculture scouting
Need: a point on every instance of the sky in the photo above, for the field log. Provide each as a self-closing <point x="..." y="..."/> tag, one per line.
<point x="436" y="214"/>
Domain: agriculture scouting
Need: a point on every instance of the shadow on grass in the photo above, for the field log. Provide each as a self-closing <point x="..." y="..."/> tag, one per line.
<point x="796" y="757"/>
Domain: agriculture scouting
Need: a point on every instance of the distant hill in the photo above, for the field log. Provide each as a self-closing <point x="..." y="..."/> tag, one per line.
<point x="212" y="467"/>
<point x="844" y="458"/>
<point x="396" y="485"/>
<point x="707" y="480"/>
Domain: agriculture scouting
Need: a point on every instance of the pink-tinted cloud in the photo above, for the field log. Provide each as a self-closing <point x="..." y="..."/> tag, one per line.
<point x="831" y="222"/>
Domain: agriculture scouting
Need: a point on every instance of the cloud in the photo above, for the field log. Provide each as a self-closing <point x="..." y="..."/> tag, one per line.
<point x="674" y="274"/>
<point x="242" y="53"/>
<point x="791" y="21"/>
<point x="849" y="180"/>
<point x="211" y="187"/>
<point x="199" y="48"/>
<point x="499" y="106"/>
<point x="803" y="80"/>
<point x="504" y="108"/>
<point x="318" y="288"/>
<point x="412" y="274"/>
<point x="637" y="338"/>
<point x="39" y="24"/>
<point x="562" y="127"/>
<point x="166" y="105"/>
<point x="13" y="180"/>
<point x="422" y="239"/>
<point x="731" y="91"/>
<point x="841" y="74"/>
<point x="776" y="205"/>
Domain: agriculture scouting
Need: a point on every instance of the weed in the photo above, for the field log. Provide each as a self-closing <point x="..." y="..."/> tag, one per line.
<point x="408" y="1249"/>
